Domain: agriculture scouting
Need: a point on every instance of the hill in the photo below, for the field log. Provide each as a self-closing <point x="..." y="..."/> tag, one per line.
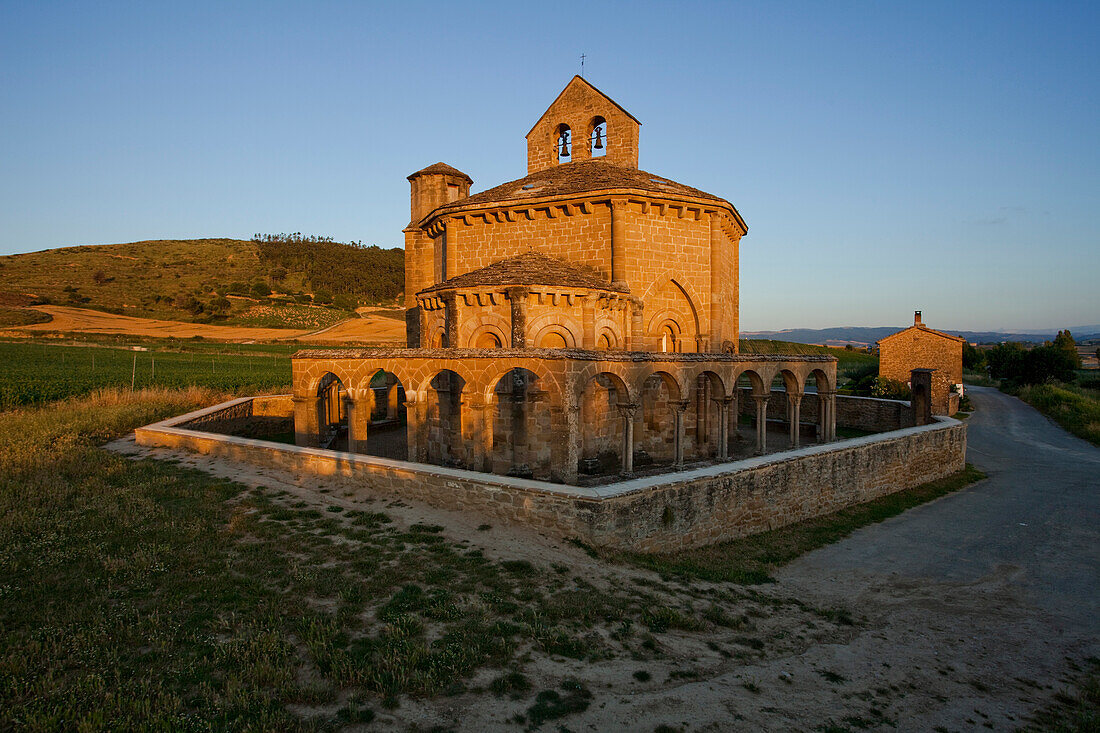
<point x="284" y="281"/>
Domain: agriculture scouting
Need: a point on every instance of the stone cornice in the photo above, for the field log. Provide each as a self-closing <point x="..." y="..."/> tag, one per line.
<point x="569" y="204"/>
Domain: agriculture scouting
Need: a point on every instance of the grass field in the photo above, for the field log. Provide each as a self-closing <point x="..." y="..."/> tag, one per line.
<point x="141" y="595"/>
<point x="37" y="373"/>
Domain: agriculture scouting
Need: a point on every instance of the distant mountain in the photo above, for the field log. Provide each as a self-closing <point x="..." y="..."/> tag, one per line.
<point x="867" y="335"/>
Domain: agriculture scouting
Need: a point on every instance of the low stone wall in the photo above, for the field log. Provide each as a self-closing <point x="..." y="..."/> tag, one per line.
<point x="660" y="513"/>
<point x="253" y="417"/>
<point x="864" y="413"/>
<point x="875" y="415"/>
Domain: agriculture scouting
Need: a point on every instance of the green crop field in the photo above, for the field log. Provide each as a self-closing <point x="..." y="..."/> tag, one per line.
<point x="36" y="373"/>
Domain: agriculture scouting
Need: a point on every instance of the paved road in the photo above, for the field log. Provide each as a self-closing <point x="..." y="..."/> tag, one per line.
<point x="1002" y="578"/>
<point x="1038" y="514"/>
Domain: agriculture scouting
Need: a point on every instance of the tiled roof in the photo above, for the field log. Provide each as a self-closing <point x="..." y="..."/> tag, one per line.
<point x="576" y="178"/>
<point x="441" y="168"/>
<point x="923" y="329"/>
<point x="529" y="268"/>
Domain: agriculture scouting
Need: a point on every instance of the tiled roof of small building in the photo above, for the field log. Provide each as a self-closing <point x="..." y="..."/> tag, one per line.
<point x="441" y="168"/>
<point x="921" y="328"/>
<point x="577" y="178"/>
<point x="529" y="268"/>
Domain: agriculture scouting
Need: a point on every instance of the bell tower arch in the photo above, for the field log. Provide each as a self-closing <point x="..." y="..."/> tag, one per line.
<point x="582" y="108"/>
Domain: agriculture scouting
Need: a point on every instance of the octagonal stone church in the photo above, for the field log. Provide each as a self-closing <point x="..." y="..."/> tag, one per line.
<point x="576" y="324"/>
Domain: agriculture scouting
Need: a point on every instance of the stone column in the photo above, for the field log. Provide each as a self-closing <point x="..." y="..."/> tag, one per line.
<point x="618" y="243"/>
<point x="450" y="321"/>
<point x="761" y="423"/>
<point x="628" y="412"/>
<point x="517" y="297"/>
<point x="794" y="415"/>
<point x="635" y="336"/>
<point x="450" y="251"/>
<point x="830" y="421"/>
<point x="716" y="238"/>
<point x="678" y="410"/>
<point x="732" y="418"/>
<point x="414" y="427"/>
<point x="565" y="421"/>
<point x="392" y="401"/>
<point x="588" y="322"/>
<point x="307" y="429"/>
<point x="359" y="404"/>
<point x="477" y="433"/>
<point x="723" y="405"/>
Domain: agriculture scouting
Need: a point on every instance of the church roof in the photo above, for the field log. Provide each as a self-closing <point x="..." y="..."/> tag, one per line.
<point x="441" y="168"/>
<point x="529" y="268"/>
<point x="577" y="178"/>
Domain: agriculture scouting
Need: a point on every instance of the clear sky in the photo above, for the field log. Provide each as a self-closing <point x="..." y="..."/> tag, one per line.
<point x="887" y="157"/>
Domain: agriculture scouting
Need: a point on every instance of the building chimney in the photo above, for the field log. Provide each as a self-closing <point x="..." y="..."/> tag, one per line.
<point x="916" y="319"/>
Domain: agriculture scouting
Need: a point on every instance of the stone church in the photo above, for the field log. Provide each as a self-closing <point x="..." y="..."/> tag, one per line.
<point x="581" y="321"/>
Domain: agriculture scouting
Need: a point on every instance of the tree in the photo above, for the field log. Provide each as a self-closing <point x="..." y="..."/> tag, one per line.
<point x="260" y="290"/>
<point x="973" y="358"/>
<point x="100" y="277"/>
<point x="1064" y="340"/>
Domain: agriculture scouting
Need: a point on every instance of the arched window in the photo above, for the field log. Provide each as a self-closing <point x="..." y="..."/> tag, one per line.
<point x="604" y="343"/>
<point x="563" y="144"/>
<point x="553" y="340"/>
<point x="668" y="338"/>
<point x="597" y="137"/>
<point x="487" y="340"/>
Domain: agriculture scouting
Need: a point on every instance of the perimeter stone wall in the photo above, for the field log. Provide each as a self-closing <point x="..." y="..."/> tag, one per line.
<point x="662" y="513"/>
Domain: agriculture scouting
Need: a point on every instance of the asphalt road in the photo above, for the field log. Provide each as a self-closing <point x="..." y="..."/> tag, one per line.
<point x="1002" y="578"/>
<point x="1038" y="514"/>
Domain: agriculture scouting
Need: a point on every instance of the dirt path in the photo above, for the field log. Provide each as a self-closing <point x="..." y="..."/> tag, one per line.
<point x="81" y="320"/>
<point x="370" y="329"/>
<point x="965" y="610"/>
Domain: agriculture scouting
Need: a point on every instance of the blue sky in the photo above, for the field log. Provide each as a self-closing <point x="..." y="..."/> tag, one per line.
<point x="887" y="157"/>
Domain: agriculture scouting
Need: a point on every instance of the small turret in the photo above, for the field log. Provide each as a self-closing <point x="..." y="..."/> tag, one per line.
<point x="434" y="186"/>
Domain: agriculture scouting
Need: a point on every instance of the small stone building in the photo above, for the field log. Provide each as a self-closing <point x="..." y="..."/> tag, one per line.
<point x="920" y="347"/>
<point x="565" y="323"/>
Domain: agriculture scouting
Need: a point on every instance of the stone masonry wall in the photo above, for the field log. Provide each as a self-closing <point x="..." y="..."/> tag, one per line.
<point x="663" y="513"/>
<point x="923" y="348"/>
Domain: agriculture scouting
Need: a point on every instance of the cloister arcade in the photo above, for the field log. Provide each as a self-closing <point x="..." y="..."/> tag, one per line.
<point x="563" y="415"/>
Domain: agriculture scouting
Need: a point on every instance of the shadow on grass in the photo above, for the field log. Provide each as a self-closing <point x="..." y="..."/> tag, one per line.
<point x="750" y="560"/>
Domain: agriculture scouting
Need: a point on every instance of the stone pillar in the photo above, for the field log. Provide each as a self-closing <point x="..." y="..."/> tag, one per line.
<point x="635" y="336"/>
<point x="450" y="321"/>
<point x="830" y="424"/>
<point x="732" y="418"/>
<point x="678" y="410"/>
<point x="715" y="281"/>
<point x="393" y="401"/>
<point x="588" y="322"/>
<point x="307" y="429"/>
<point x="920" y="382"/>
<point x="618" y="243"/>
<point x="794" y="416"/>
<point x="517" y="297"/>
<point x="359" y="404"/>
<point x="723" y="405"/>
<point x="628" y="412"/>
<point x="761" y="423"/>
<point x="477" y="433"/>
<point x="450" y="251"/>
<point x="415" y="438"/>
<point x="565" y="421"/>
